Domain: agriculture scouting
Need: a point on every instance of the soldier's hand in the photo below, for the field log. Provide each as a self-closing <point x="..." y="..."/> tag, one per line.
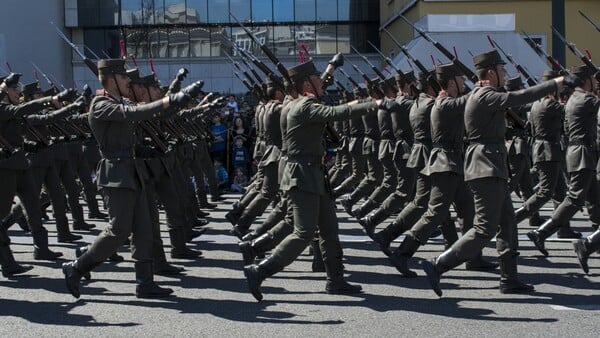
<point x="181" y="74"/>
<point x="572" y="81"/>
<point x="179" y="99"/>
<point x="79" y="104"/>
<point x="67" y="95"/>
<point x="219" y="102"/>
<point x="337" y="60"/>
<point x="194" y="89"/>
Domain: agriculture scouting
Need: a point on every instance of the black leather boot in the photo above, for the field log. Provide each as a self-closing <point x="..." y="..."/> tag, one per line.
<point x="76" y="269"/>
<point x="364" y="209"/>
<point x="347" y="203"/>
<point x="250" y="249"/>
<point x="521" y="214"/>
<point x="584" y="247"/>
<point x="93" y="210"/>
<point x="82" y="225"/>
<point x="436" y="267"/>
<point x="337" y="192"/>
<point x="399" y="258"/>
<point x="41" y="252"/>
<point x="257" y="273"/>
<point x="385" y="237"/>
<point x="536" y="220"/>
<point x="234" y="214"/>
<point x="509" y="281"/>
<point x="238" y="232"/>
<point x="566" y="232"/>
<point x="317" y="261"/>
<point x="538" y="237"/>
<point x="179" y="249"/>
<point x="164" y="268"/>
<point x="336" y="284"/>
<point x="65" y="235"/>
<point x="146" y="288"/>
<point x="480" y="264"/>
<point x="370" y="222"/>
<point x="9" y="266"/>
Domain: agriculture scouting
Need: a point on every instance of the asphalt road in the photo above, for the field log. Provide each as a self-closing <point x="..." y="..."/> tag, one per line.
<point x="211" y="299"/>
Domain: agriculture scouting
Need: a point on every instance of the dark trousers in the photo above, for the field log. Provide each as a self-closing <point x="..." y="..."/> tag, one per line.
<point x="583" y="190"/>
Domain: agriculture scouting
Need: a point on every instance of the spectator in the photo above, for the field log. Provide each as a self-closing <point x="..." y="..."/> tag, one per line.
<point x="233" y="104"/>
<point x="218" y="149"/>
<point x="222" y="176"/>
<point x="240" y="155"/>
<point x="239" y="129"/>
<point x="240" y="181"/>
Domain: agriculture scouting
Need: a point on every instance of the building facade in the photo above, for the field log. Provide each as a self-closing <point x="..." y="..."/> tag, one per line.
<point x="199" y="34"/>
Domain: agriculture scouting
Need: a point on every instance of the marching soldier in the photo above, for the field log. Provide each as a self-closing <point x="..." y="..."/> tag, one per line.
<point x="122" y="177"/>
<point x="486" y="173"/>
<point x="582" y="159"/>
<point x="306" y="186"/>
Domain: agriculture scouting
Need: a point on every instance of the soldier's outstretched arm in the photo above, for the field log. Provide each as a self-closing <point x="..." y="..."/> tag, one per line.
<point x="9" y="111"/>
<point x="500" y="100"/>
<point x="319" y="112"/>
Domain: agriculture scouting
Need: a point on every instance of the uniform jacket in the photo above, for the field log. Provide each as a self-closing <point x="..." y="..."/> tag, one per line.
<point x="582" y="119"/>
<point x="546" y="118"/>
<point x="420" y="122"/>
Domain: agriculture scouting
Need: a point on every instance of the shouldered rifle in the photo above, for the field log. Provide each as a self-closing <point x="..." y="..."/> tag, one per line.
<point x="520" y="69"/>
<point x="576" y="51"/>
<point x="352" y="81"/>
<point x="370" y="85"/>
<point x="7" y="146"/>
<point x="154" y="136"/>
<point x="418" y="63"/>
<point x="89" y="63"/>
<point x="243" y="58"/>
<point x="379" y="74"/>
<point x="387" y="59"/>
<point x="540" y="51"/>
<point x="589" y="20"/>
<point x="452" y="57"/>
<point x="280" y="67"/>
<point x="237" y="65"/>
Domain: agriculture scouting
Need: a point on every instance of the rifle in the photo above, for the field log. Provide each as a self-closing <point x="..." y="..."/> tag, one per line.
<point x="575" y="51"/>
<point x="520" y="69"/>
<point x="6" y="145"/>
<point x="354" y="83"/>
<point x="387" y="59"/>
<point x="540" y="51"/>
<point x="422" y="69"/>
<point x="237" y="65"/>
<point x="280" y="67"/>
<point x="452" y="57"/>
<point x="590" y="21"/>
<point x="370" y="84"/>
<point x="379" y="74"/>
<point x="89" y="63"/>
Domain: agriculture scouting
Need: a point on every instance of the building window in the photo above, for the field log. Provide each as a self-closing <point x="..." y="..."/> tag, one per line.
<point x="218" y="11"/>
<point x="327" y="10"/>
<point x="197" y="11"/>
<point x="305" y="10"/>
<point x="262" y="10"/>
<point x="283" y="10"/>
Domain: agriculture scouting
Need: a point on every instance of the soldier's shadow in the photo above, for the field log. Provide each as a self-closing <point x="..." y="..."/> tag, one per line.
<point x="52" y="313"/>
<point x="235" y="310"/>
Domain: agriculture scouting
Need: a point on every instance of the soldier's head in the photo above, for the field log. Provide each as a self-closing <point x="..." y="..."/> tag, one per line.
<point x="374" y="87"/>
<point x="490" y="67"/>
<point x="425" y="82"/>
<point x="586" y="74"/>
<point x="548" y="75"/>
<point x="11" y="87"/>
<point x="406" y="82"/>
<point x="113" y="76"/>
<point x="274" y="88"/>
<point x="306" y="79"/>
<point x="139" y="93"/>
<point x="389" y="87"/>
<point x="32" y="91"/>
<point x="153" y="87"/>
<point x="450" y="78"/>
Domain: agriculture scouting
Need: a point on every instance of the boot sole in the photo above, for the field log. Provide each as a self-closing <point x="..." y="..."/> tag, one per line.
<point x="72" y="290"/>
<point x="20" y="271"/>
<point x="430" y="272"/>
<point x="255" y="292"/>
<point x="580" y="247"/>
<point x="532" y="237"/>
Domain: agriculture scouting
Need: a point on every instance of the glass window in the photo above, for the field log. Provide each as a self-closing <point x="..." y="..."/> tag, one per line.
<point x="361" y="10"/>
<point x="148" y="12"/>
<point x="199" y="42"/>
<point x="219" y="41"/>
<point x="343" y="10"/>
<point x="136" y="41"/>
<point x="305" y="10"/>
<point x="262" y="33"/>
<point x="179" y="43"/>
<point x="283" y="40"/>
<point x="175" y="12"/>
<point x="326" y="39"/>
<point x="305" y="37"/>
<point x="158" y="39"/>
<point x="343" y="39"/>
<point x="326" y="10"/>
<point x="361" y="33"/>
<point x="241" y="9"/>
<point x="218" y="11"/>
<point x="283" y="10"/>
<point x="197" y="11"/>
<point x="262" y="10"/>
<point x="103" y="42"/>
<point x="131" y="12"/>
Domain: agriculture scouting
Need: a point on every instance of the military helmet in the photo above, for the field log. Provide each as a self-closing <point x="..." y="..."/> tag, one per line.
<point x="582" y="71"/>
<point x="31" y="89"/>
<point x="447" y="71"/>
<point x="111" y="66"/>
<point x="487" y="60"/>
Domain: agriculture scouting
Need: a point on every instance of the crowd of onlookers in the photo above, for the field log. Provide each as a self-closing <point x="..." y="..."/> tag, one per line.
<point x="233" y="128"/>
